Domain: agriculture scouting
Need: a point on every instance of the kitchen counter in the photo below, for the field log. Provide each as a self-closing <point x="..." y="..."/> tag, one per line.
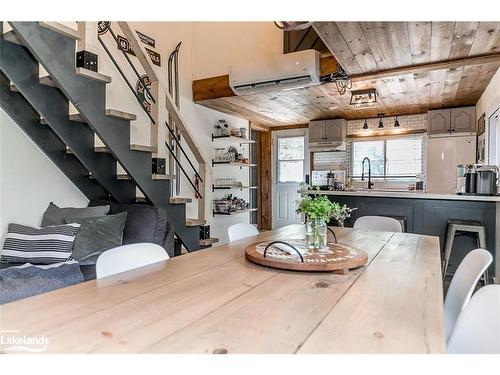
<point x="427" y="213"/>
<point x="409" y="194"/>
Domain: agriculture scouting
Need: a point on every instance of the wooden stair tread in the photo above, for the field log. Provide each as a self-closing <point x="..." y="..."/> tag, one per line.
<point x="163" y="176"/>
<point x="135" y="147"/>
<point x="195" y="222"/>
<point x="48" y="81"/>
<point x="43" y="121"/>
<point x="101" y="149"/>
<point x="180" y="200"/>
<point x="122" y="176"/>
<point x="12" y="37"/>
<point x="209" y="241"/>
<point x="62" y="29"/>
<point x="120" y="114"/>
<point x="77" y="118"/>
<point x="92" y="75"/>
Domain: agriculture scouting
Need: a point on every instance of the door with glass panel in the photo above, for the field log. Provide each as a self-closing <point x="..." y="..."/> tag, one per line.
<point x="290" y="166"/>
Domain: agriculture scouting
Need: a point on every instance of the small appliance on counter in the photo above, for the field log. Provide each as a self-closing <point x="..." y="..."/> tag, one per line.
<point x="477" y="179"/>
<point x="486" y="180"/>
<point x="329" y="180"/>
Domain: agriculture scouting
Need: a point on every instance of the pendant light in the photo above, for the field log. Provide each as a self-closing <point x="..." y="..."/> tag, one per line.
<point x="396" y="122"/>
<point x="365" y="125"/>
<point x="380" y="122"/>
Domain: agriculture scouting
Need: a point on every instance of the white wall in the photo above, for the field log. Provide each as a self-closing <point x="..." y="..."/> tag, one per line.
<point x="28" y="179"/>
<point x="490" y="96"/>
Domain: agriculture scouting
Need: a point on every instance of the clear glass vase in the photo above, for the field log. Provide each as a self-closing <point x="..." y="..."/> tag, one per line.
<point x="316" y="234"/>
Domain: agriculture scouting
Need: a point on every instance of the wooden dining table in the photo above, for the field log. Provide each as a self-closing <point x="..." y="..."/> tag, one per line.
<point x="216" y="301"/>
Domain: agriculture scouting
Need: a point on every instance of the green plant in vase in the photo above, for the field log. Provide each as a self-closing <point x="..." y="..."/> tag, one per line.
<point x="319" y="210"/>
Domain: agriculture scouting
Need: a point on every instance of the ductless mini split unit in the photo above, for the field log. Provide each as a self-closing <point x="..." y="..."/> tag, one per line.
<point x="284" y="72"/>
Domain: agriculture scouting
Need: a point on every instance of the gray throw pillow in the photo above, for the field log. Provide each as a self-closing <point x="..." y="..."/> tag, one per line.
<point x="96" y="235"/>
<point x="56" y="216"/>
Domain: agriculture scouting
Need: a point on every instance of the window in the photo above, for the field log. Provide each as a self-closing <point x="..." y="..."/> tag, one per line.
<point x="391" y="158"/>
<point x="291" y="159"/>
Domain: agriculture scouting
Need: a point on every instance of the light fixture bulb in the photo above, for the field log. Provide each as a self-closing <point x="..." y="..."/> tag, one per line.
<point x="365" y="125"/>
<point x="396" y="122"/>
<point x="380" y="124"/>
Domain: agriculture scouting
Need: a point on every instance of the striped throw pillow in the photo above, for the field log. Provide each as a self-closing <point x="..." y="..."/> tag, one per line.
<point x="39" y="245"/>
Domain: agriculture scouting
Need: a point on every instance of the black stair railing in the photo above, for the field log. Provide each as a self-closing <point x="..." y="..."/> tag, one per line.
<point x="120" y="70"/>
<point x="177" y="161"/>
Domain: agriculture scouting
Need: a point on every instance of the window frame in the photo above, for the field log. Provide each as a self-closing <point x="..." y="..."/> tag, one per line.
<point x="385" y="176"/>
<point x="278" y="160"/>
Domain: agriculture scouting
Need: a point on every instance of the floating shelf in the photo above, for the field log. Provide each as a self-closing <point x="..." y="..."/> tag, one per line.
<point x="238" y="164"/>
<point x="209" y="241"/>
<point x="242" y="141"/>
<point x="234" y="212"/>
<point x="214" y="187"/>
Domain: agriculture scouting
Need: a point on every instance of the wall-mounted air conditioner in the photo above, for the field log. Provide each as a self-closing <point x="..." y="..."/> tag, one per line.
<point x="283" y="72"/>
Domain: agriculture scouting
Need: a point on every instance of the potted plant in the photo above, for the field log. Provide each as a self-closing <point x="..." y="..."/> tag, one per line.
<point x="319" y="210"/>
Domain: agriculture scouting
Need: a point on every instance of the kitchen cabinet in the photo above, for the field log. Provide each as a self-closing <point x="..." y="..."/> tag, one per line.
<point x="438" y="121"/>
<point x="316" y="131"/>
<point x="463" y="119"/>
<point x="327" y="130"/>
<point x="451" y="120"/>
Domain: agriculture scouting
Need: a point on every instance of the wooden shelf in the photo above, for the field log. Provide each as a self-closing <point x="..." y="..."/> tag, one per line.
<point x="209" y="241"/>
<point x="235" y="163"/>
<point x="214" y="187"/>
<point x="234" y="212"/>
<point x="242" y="141"/>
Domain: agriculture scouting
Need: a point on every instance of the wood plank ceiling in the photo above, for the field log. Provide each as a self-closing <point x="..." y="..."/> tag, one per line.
<point x="396" y="58"/>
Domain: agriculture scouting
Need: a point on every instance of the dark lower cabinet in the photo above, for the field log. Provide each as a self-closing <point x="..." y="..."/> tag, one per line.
<point x="429" y="216"/>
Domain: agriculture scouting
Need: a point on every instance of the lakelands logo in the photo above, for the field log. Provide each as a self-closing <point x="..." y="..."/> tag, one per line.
<point x="12" y="341"/>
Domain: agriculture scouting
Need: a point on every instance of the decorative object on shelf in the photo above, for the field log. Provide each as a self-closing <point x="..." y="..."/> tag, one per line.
<point x="235" y="132"/>
<point x="159" y="166"/>
<point x="243" y="132"/>
<point x="229" y="204"/>
<point x="103" y="27"/>
<point x="297" y="256"/>
<point x="364" y="98"/>
<point x="221" y="128"/>
<point x="233" y="154"/>
<point x="380" y="122"/>
<point x="365" y="125"/>
<point x="319" y="210"/>
<point x="396" y="122"/>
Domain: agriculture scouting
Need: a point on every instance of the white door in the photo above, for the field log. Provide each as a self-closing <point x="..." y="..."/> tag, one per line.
<point x="290" y="163"/>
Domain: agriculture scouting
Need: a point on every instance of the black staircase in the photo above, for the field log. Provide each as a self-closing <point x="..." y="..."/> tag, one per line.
<point x="56" y="52"/>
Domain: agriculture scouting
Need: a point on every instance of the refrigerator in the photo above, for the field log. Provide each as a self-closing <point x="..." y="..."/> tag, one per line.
<point x="444" y="153"/>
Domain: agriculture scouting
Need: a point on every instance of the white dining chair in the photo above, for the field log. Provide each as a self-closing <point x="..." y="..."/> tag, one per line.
<point x="378" y="223"/>
<point x="462" y="285"/>
<point x="128" y="257"/>
<point x="477" y="330"/>
<point x="241" y="230"/>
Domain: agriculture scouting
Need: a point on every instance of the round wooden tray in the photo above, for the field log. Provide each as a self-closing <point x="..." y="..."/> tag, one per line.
<point x="335" y="258"/>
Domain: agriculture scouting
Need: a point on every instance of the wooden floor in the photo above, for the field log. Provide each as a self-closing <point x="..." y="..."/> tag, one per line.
<point x="215" y="301"/>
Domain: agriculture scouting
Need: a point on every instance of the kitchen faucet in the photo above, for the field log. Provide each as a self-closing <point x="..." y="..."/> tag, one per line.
<point x="370" y="183"/>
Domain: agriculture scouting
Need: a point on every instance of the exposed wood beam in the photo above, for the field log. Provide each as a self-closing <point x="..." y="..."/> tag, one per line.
<point x="288" y="127"/>
<point x="259" y="127"/>
<point x="429" y="67"/>
<point x="218" y="87"/>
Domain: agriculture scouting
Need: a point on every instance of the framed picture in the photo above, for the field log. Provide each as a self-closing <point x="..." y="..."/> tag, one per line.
<point x="481" y="125"/>
<point x="481" y="140"/>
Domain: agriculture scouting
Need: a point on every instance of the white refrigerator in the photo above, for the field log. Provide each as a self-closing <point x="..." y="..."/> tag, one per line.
<point x="444" y="153"/>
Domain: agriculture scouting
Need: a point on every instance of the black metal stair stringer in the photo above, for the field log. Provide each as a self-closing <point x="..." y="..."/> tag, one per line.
<point x="56" y="53"/>
<point x="16" y="106"/>
<point x="22" y="69"/>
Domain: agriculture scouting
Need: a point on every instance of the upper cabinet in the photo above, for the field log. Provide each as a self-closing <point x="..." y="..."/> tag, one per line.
<point x="327" y="135"/>
<point x="316" y="131"/>
<point x="463" y="119"/>
<point x="451" y="120"/>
